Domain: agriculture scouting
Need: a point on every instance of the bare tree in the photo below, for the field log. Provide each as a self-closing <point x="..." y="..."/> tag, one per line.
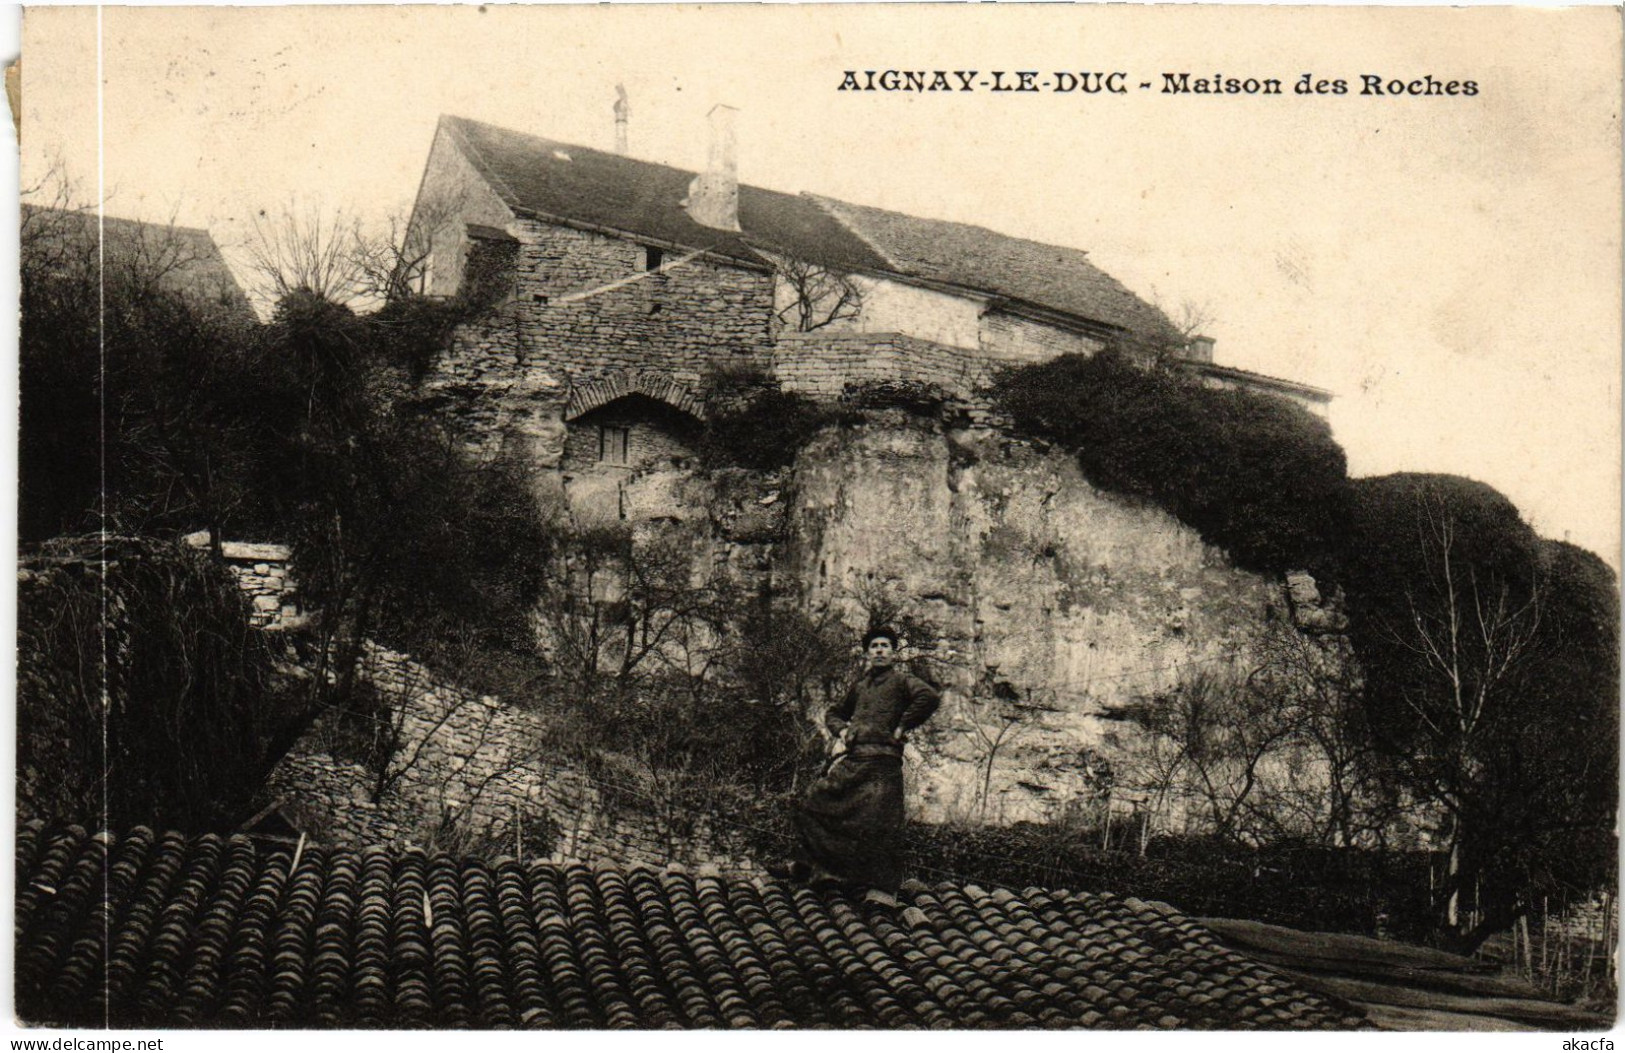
<point x="997" y="717"/>
<point x="817" y="295"/>
<point x="1221" y="739"/>
<point x="64" y="240"/>
<point x="52" y="211"/>
<point x="1473" y="643"/>
<point x="306" y="248"/>
<point x="396" y="262"/>
<point x="1346" y="799"/>
<point x="1192" y="318"/>
<point x="627" y="606"/>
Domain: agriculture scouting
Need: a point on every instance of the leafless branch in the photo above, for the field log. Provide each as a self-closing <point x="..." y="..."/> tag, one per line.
<point x="305" y="248"/>
<point x="818" y="296"/>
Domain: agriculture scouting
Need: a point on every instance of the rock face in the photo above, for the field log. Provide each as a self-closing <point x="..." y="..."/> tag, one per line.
<point x="1050" y="603"/>
<point x="1311" y="611"/>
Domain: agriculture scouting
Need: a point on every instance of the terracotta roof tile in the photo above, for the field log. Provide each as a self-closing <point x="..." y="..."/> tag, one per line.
<point x="151" y="930"/>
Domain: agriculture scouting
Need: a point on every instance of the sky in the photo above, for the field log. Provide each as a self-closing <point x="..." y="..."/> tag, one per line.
<point x="1447" y="266"/>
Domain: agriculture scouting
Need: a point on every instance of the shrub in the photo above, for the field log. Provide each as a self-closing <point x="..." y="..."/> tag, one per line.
<point x="412" y="331"/>
<point x="1303" y="886"/>
<point x="143" y="694"/>
<point x="1256" y="475"/>
<point x="750" y="422"/>
<point x="131" y="394"/>
<point x="915" y="396"/>
<point x="717" y="717"/>
<point x="399" y="532"/>
<point x="407" y="539"/>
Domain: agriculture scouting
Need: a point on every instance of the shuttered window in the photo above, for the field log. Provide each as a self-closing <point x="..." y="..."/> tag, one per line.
<point x="612" y="444"/>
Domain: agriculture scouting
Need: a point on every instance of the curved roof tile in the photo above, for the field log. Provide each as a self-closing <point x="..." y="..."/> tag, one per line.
<point x="167" y="931"/>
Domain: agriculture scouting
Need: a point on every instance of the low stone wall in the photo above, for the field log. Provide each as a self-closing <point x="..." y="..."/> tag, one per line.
<point x="474" y="773"/>
<point x="1013" y="340"/>
<point x="1594" y="919"/>
<point x="469" y="769"/>
<point x="263" y="573"/>
<point x="828" y="364"/>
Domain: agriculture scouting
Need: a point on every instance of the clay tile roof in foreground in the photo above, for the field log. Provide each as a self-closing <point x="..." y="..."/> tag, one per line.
<point x="165" y="930"/>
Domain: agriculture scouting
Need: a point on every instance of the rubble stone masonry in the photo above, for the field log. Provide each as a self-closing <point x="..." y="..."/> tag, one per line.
<point x="475" y="772"/>
<point x="601" y="310"/>
<point x="1012" y="340"/>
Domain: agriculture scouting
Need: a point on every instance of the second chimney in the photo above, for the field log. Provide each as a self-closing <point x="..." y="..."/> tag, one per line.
<point x="713" y="196"/>
<point x="1200" y="349"/>
<point x="623" y="110"/>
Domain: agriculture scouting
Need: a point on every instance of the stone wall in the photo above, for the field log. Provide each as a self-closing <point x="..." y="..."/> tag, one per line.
<point x="263" y="572"/>
<point x="1012" y="340"/>
<point x="828" y="364"/>
<point x="585" y="309"/>
<point x="600" y="310"/>
<point x="475" y="773"/>
<point x="885" y="306"/>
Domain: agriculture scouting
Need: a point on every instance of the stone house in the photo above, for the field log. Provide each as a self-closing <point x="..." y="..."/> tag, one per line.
<point x="616" y="285"/>
<point x="609" y="289"/>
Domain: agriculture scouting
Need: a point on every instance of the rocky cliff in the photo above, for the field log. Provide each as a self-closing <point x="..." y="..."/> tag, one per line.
<point x="1043" y="603"/>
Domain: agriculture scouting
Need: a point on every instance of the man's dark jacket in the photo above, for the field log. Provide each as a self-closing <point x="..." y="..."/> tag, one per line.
<point x="883" y="703"/>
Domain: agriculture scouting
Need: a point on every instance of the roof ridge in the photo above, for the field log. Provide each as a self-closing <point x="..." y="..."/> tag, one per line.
<point x="90" y="212"/>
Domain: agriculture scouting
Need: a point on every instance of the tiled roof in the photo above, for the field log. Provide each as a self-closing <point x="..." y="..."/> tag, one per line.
<point x="189" y="256"/>
<point x="163" y="930"/>
<point x="1051" y="276"/>
<point x="1401" y="987"/>
<point x="561" y="180"/>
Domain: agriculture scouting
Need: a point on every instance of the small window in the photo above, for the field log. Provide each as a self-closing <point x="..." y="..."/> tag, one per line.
<point x="426" y="275"/>
<point x="652" y="258"/>
<point x="612" y="444"/>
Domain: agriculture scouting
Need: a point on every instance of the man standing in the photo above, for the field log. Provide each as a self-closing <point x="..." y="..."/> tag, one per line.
<point x="851" y="820"/>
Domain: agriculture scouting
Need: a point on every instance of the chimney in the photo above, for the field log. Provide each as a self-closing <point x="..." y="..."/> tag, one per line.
<point x="623" y="110"/>
<point x="713" y="196"/>
<point x="1200" y="348"/>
